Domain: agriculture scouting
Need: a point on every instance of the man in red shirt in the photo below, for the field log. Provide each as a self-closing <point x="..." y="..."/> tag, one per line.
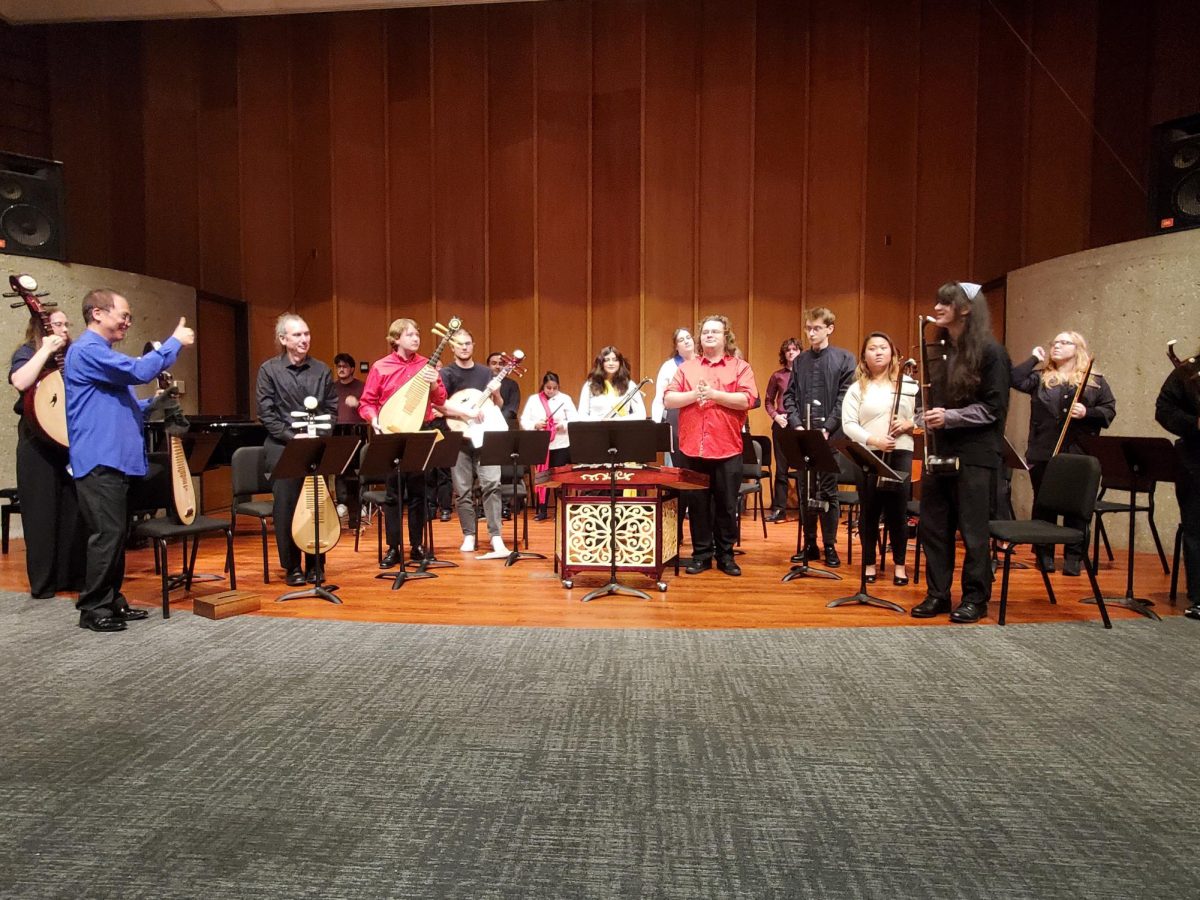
<point x="387" y="376"/>
<point x="713" y="392"/>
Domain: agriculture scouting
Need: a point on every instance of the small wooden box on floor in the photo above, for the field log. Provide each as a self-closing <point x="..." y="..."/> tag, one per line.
<point x="226" y="604"/>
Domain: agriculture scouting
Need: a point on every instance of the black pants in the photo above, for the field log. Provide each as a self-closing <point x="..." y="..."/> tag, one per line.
<point x="55" y="537"/>
<point x="1072" y="553"/>
<point x="713" y="513"/>
<point x="892" y="505"/>
<point x="1187" y="492"/>
<point x="286" y="494"/>
<point x="823" y="487"/>
<point x="958" y="503"/>
<point x="415" y="485"/>
<point x="103" y="500"/>
<point x="779" y="489"/>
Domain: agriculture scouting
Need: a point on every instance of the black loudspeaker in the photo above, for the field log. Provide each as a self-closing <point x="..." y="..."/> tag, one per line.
<point x="33" y="218"/>
<point x="1175" y="175"/>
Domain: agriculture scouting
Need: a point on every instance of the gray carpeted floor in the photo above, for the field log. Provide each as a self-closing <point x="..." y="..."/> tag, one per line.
<point x="271" y="758"/>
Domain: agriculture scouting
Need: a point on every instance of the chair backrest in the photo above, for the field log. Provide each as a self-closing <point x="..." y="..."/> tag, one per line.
<point x="1069" y="487"/>
<point x="249" y="472"/>
<point x="151" y="492"/>
<point x="752" y="469"/>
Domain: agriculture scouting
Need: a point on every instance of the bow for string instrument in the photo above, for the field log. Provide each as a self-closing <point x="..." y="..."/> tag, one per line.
<point x="935" y="463"/>
<point x="894" y="484"/>
<point x="46" y="402"/>
<point x="1189" y="373"/>
<point x="625" y="400"/>
<point x="315" y="493"/>
<point x="405" y="410"/>
<point x="1062" y="435"/>
<point x="183" y="491"/>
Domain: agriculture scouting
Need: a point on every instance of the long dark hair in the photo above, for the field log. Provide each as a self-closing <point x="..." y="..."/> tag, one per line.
<point x="620" y="381"/>
<point x="962" y="374"/>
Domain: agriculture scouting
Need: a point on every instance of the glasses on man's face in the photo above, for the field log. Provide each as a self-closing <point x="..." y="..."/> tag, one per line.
<point x="125" y="317"/>
<point x="1063" y="344"/>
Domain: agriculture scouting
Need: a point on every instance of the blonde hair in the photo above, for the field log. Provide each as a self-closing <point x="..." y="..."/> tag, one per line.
<point x="1052" y="377"/>
<point x="398" y="328"/>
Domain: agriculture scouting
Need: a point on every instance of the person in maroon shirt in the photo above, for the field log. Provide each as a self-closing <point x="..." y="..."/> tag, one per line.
<point x="776" y="389"/>
<point x="387" y="376"/>
<point x="713" y="392"/>
<point x="348" y="388"/>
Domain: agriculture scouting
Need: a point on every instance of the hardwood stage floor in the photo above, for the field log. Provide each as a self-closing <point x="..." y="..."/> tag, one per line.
<point x="485" y="592"/>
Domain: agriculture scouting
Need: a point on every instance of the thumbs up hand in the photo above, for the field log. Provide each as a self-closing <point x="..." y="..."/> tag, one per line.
<point x="183" y="334"/>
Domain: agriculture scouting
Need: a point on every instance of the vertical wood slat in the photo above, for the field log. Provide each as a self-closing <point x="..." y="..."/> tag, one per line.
<point x="218" y="188"/>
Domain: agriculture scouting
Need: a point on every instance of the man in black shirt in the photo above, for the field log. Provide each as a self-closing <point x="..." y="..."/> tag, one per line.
<point x="821" y="375"/>
<point x="968" y="399"/>
<point x="284" y="382"/>
<point x="1178" y="410"/>
<point x="510" y="391"/>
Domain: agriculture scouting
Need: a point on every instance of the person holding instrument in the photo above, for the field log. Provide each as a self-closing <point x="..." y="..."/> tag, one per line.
<point x="54" y="559"/>
<point x="387" y="376"/>
<point x="283" y="384"/>
<point x="1061" y="408"/>
<point x="549" y="410"/>
<point x="967" y="404"/>
<point x="608" y="387"/>
<point x="777" y="387"/>
<point x="1177" y="409"/>
<point x="105" y="424"/>
<point x="877" y="412"/>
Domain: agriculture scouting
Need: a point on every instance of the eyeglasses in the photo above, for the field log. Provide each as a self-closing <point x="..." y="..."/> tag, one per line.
<point x="1063" y="344"/>
<point x="125" y="317"/>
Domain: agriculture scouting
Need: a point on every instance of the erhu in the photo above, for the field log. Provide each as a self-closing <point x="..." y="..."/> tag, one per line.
<point x="935" y="463"/>
<point x="894" y="484"/>
<point x="1062" y="435"/>
<point x="616" y="410"/>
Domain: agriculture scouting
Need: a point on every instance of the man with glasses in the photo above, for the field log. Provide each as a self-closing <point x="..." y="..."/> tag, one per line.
<point x="821" y="375"/>
<point x="713" y="393"/>
<point x="104" y="425"/>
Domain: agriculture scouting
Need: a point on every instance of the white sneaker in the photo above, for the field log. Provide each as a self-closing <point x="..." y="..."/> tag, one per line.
<point x="341" y="510"/>
<point x="468" y="544"/>
<point x="498" y="551"/>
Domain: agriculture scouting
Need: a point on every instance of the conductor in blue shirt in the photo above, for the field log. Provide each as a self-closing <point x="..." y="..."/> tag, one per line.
<point x="104" y="425"/>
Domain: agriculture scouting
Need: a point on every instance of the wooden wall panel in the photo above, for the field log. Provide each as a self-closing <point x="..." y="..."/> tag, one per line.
<point x="172" y="52"/>
<point x="669" y="160"/>
<point x="889" y="248"/>
<point x="312" y="288"/>
<point x="564" y="90"/>
<point x="726" y="165"/>
<point x="460" y="50"/>
<point x="220" y="251"/>
<point x="1174" y="75"/>
<point x="26" y="121"/>
<point x="1060" y="133"/>
<point x="358" y="178"/>
<point x="410" y="200"/>
<point x="266" y="180"/>
<point x="1000" y="147"/>
<point x="616" y="311"/>
<point x="512" y="226"/>
<point x="945" y="146"/>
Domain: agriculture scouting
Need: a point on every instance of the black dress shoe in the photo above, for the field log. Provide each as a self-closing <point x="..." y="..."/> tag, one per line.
<point x="295" y="578"/>
<point x="391" y="559"/>
<point x="1193" y="612"/>
<point x="310" y="576"/>
<point x="832" y="560"/>
<point x="870" y="579"/>
<point x="899" y="580"/>
<point x="540" y="516"/>
<point x="417" y="553"/>
<point x="730" y="567"/>
<point x="777" y="515"/>
<point x="101" y="623"/>
<point x="129" y="614"/>
<point x="444" y="515"/>
<point x="1071" y="568"/>
<point x="812" y="551"/>
<point x="969" y="611"/>
<point x="930" y="607"/>
<point x="699" y="565"/>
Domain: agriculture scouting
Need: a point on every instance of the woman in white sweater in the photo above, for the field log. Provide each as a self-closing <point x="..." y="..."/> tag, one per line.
<point x="607" y="385"/>
<point x="549" y="410"/>
<point x="867" y="419"/>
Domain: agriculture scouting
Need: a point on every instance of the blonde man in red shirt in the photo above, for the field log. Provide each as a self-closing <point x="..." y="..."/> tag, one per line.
<point x="713" y="391"/>
<point x="387" y="376"/>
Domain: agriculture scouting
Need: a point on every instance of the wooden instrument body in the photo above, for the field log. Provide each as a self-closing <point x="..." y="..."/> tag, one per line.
<point x="315" y="493"/>
<point x="479" y="401"/>
<point x="45" y="403"/>
<point x="183" y="490"/>
<point x="1062" y="435"/>
<point x="405" y="409"/>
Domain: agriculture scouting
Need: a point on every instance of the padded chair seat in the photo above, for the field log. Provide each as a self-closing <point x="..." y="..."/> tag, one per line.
<point x="1035" y="531"/>
<point x="1104" y="506"/>
<point x="263" y="509"/>
<point x="164" y="527"/>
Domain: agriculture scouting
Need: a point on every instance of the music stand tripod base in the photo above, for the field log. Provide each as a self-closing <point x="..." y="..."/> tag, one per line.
<point x="1139" y="605"/>
<point x="317" y="591"/>
<point x="399" y="579"/>
<point x="864" y="599"/>
<point x="614" y="587"/>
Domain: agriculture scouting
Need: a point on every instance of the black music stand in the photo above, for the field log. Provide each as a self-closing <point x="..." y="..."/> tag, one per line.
<point x="398" y="452"/>
<point x="443" y="456"/>
<point x="198" y="449"/>
<point x="811" y="450"/>
<point x="320" y="457"/>
<point x="872" y="466"/>
<point x="1013" y="461"/>
<point x="515" y="448"/>
<point x="614" y="444"/>
<point x="1139" y="462"/>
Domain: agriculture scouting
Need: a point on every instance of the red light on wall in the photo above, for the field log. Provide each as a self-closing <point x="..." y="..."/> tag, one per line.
<point x="1167" y="223"/>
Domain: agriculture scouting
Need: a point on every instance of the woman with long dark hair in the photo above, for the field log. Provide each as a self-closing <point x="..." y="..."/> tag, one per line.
<point x="867" y="419"/>
<point x="549" y="410"/>
<point x="777" y="387"/>
<point x="968" y="400"/>
<point x="607" y="385"/>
